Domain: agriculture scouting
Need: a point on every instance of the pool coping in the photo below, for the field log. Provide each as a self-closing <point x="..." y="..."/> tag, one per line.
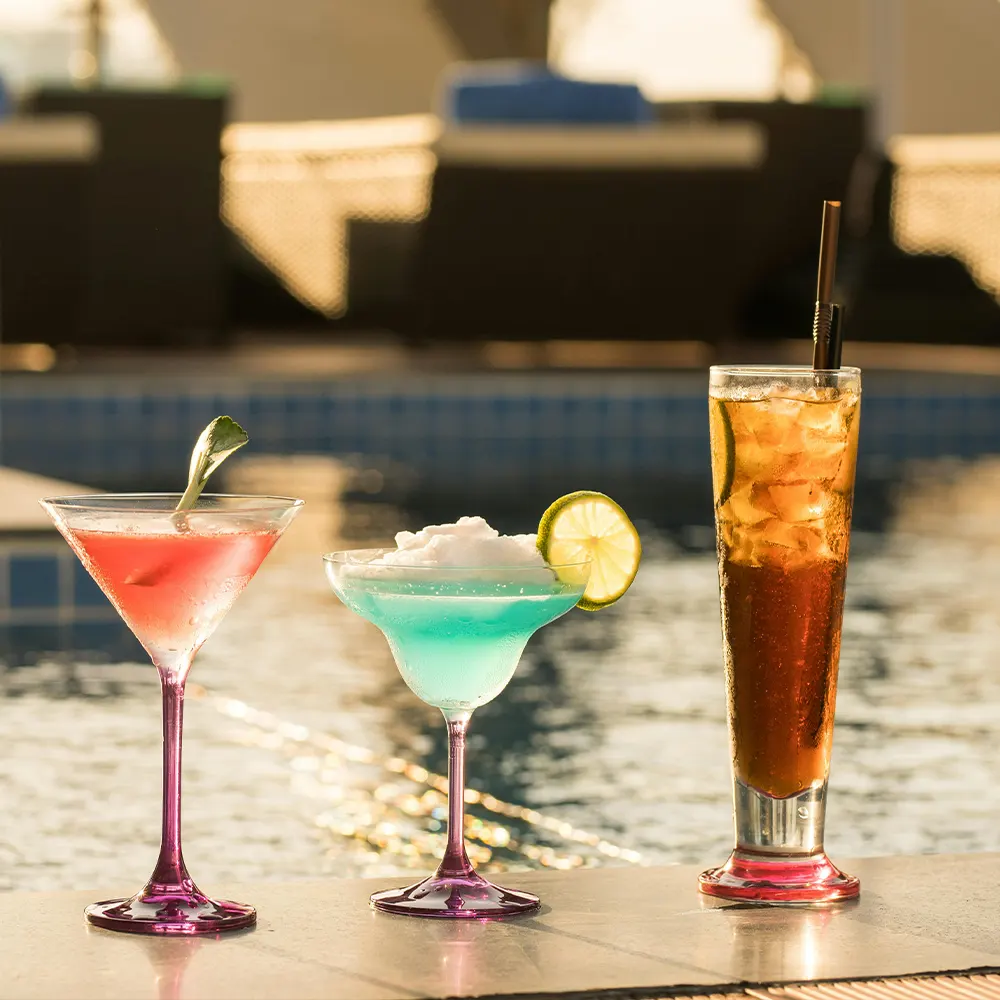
<point x="636" y="932"/>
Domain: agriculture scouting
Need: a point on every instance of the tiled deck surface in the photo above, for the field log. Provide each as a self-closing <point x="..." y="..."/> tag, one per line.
<point x="633" y="932"/>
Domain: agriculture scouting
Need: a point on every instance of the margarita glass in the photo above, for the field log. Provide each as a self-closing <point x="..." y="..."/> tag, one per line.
<point x="456" y="634"/>
<point x="172" y="576"/>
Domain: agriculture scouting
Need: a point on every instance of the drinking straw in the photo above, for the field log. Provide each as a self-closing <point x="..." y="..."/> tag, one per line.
<point x="826" y="318"/>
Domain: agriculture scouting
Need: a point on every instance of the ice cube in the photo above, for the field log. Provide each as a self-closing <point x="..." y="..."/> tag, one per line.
<point x="822" y="460"/>
<point x="827" y="418"/>
<point x="843" y="479"/>
<point x="797" y="502"/>
<point x="744" y="510"/>
<point x="740" y="546"/>
<point x="786" y="409"/>
<point x="796" y="544"/>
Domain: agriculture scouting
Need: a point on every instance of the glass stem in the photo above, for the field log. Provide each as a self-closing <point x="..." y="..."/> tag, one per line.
<point x="170" y="869"/>
<point x="456" y="861"/>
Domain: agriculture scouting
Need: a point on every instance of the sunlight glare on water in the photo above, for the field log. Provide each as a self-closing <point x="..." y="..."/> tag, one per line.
<point x="306" y="755"/>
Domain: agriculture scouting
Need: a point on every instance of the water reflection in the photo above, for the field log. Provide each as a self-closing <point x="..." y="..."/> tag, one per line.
<point x="608" y="747"/>
<point x="404" y="814"/>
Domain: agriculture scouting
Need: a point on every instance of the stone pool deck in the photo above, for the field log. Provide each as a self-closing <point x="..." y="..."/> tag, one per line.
<point x="616" y="932"/>
<point x="21" y="492"/>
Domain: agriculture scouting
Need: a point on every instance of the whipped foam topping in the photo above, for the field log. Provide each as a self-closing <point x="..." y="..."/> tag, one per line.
<point x="468" y="543"/>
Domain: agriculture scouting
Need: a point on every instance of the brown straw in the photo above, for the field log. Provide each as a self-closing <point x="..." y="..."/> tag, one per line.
<point x="826" y="318"/>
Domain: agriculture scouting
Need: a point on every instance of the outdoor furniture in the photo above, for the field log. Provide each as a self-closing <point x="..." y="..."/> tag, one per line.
<point x="152" y="263"/>
<point x="521" y="92"/>
<point x="540" y="233"/>
<point x="46" y="177"/>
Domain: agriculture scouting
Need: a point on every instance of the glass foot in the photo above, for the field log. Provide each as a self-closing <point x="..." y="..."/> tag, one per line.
<point x="808" y="879"/>
<point x="171" y="913"/>
<point x="457" y="896"/>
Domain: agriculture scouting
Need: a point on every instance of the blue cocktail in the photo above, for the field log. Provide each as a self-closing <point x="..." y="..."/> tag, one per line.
<point x="456" y="633"/>
<point x="457" y="642"/>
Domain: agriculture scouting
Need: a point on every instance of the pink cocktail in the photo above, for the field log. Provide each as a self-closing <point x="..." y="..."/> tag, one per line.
<point x="172" y="577"/>
<point x="172" y="590"/>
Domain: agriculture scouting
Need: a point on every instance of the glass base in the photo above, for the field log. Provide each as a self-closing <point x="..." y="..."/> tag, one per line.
<point x="769" y="879"/>
<point x="171" y="913"/>
<point x="468" y="897"/>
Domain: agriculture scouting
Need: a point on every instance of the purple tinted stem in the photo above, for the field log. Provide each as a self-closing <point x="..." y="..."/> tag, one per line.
<point x="170" y="869"/>
<point x="456" y="861"/>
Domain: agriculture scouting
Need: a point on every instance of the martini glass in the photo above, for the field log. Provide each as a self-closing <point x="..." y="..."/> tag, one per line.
<point x="172" y="577"/>
<point x="456" y="635"/>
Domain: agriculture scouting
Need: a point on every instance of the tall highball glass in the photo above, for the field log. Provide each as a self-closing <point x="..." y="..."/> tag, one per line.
<point x="784" y="451"/>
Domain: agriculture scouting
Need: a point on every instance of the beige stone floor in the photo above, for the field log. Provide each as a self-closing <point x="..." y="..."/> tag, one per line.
<point x="636" y="932"/>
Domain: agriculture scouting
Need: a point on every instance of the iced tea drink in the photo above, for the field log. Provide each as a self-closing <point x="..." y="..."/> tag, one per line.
<point x="784" y="450"/>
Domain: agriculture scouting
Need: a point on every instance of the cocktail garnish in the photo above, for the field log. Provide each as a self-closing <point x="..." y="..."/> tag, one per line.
<point x="720" y="413"/>
<point x="590" y="526"/>
<point x="217" y="442"/>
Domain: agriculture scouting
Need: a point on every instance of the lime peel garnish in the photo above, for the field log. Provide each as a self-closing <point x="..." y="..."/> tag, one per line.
<point x="729" y="444"/>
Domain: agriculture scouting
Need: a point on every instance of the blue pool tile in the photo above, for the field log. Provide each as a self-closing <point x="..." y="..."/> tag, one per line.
<point x="34" y="581"/>
<point x="86" y="593"/>
<point x="447" y="430"/>
<point x="109" y="639"/>
<point x="21" y="643"/>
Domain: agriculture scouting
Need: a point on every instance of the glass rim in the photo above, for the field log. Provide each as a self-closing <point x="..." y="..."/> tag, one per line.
<point x="339" y="558"/>
<point x="105" y="503"/>
<point x="796" y="370"/>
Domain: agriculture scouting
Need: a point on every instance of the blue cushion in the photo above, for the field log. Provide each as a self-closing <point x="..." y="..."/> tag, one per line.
<point x="538" y="96"/>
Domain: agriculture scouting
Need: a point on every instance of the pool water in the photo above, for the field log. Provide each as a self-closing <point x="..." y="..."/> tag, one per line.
<point x="306" y="755"/>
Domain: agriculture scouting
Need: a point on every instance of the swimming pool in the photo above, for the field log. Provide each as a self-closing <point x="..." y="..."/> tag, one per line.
<point x="306" y="755"/>
<point x="448" y="432"/>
